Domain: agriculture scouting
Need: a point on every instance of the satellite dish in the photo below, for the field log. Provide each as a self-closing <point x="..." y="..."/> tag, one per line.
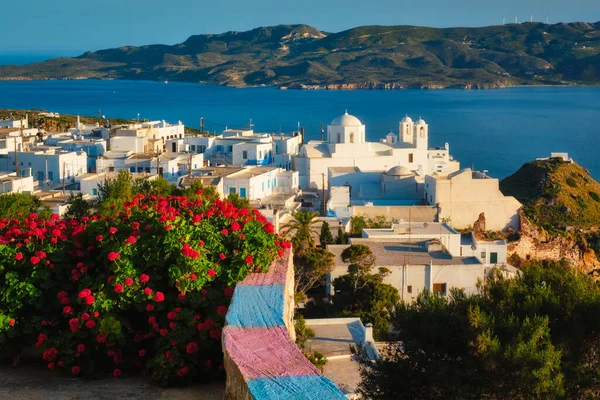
<point x="473" y="247"/>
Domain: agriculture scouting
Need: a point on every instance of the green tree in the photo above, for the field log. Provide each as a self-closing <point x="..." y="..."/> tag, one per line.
<point x="78" y="207"/>
<point x="302" y="227"/>
<point x="15" y="205"/>
<point x="238" y="201"/>
<point x="533" y="336"/>
<point x="303" y="333"/>
<point x="341" y="236"/>
<point x="361" y="260"/>
<point x="113" y="192"/>
<point x="325" y="236"/>
<point x="310" y="268"/>
<point x="159" y="187"/>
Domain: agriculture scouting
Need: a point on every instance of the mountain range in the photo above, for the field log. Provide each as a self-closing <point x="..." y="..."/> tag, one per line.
<point x="386" y="57"/>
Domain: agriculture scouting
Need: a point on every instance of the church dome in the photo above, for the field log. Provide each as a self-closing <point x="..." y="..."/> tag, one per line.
<point x="407" y="120"/>
<point x="420" y="121"/>
<point x="399" y="171"/>
<point x="346" y="120"/>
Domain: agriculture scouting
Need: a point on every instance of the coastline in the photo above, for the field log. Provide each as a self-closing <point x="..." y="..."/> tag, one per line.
<point x="321" y="87"/>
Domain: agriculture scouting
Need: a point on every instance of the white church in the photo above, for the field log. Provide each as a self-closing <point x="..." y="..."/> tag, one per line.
<point x="347" y="155"/>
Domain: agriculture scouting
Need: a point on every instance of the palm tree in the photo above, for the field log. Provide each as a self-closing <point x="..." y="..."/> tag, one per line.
<point x="302" y="226"/>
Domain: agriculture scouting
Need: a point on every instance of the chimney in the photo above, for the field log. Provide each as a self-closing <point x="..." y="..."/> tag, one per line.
<point x="369" y="333"/>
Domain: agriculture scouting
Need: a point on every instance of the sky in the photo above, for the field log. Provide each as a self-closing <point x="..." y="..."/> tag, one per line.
<point x="70" y="27"/>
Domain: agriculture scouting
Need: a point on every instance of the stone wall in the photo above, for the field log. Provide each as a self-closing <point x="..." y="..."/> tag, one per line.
<point x="261" y="359"/>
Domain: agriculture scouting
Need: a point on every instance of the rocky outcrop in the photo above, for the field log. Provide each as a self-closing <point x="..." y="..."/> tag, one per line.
<point x="261" y="359"/>
<point x="479" y="227"/>
<point x="535" y="245"/>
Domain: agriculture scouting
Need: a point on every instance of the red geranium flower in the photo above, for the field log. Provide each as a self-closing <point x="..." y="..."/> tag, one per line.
<point x="225" y="232"/>
<point x="222" y="256"/>
<point x="89" y="300"/>
<point x="159" y="296"/>
<point x="228" y="291"/>
<point x="34" y="260"/>
<point x="90" y="324"/>
<point x="112" y="256"/>
<point x="222" y="310"/>
<point x="144" y="278"/>
<point x="148" y="291"/>
<point x="116" y="372"/>
<point x="172" y="315"/>
<point x="81" y="348"/>
<point x="191" y="348"/>
<point x="131" y="239"/>
<point x="128" y="281"/>
<point x="75" y="370"/>
<point x="113" y="230"/>
<point x="163" y="332"/>
<point x="149" y="307"/>
<point x="211" y="272"/>
<point x="99" y="238"/>
<point x="249" y="260"/>
<point x="101" y="338"/>
<point x="84" y="293"/>
<point x="18" y="256"/>
<point x="118" y="288"/>
<point x="142" y="353"/>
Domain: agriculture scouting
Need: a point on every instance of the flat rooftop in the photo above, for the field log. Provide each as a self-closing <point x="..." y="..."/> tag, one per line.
<point x="403" y="229"/>
<point x="395" y="253"/>
<point x="344" y="170"/>
<point x="251" y="172"/>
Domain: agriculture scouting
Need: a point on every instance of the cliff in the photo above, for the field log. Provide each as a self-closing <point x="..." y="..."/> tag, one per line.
<point x="368" y="57"/>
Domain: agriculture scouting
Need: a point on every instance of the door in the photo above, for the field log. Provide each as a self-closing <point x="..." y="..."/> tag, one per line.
<point x="243" y="192"/>
<point x="40" y="177"/>
<point x="493" y="258"/>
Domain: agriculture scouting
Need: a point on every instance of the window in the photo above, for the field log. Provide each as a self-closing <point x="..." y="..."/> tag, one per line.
<point x="201" y="149"/>
<point x="409" y="289"/>
<point x="243" y="192"/>
<point x="351" y="137"/>
<point x="422" y="133"/>
<point x="275" y="182"/>
<point x="410" y="157"/>
<point x="439" y="288"/>
<point x="229" y="149"/>
<point x="192" y="147"/>
<point x="339" y="137"/>
<point x="276" y="149"/>
<point x="483" y="254"/>
<point x="94" y="192"/>
<point x="268" y="184"/>
<point x="244" y="155"/>
<point x="493" y="258"/>
<point x="231" y="190"/>
<point x="262" y="186"/>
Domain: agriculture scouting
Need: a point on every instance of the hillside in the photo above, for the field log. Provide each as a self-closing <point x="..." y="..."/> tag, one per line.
<point x="365" y="57"/>
<point x="555" y="194"/>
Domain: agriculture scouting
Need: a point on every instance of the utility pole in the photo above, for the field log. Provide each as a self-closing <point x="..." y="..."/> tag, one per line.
<point x="322" y="132"/>
<point x="17" y="157"/>
<point x="202" y="125"/>
<point x="190" y="164"/>
<point x="64" y="170"/>
<point x="99" y="119"/>
<point x="323" y="199"/>
<point x="158" y="164"/>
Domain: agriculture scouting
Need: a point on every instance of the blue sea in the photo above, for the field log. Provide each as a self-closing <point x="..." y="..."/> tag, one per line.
<point x="494" y="130"/>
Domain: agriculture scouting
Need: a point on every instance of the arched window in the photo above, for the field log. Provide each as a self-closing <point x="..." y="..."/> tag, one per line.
<point x="422" y="132"/>
<point x="351" y="137"/>
<point x="339" y="137"/>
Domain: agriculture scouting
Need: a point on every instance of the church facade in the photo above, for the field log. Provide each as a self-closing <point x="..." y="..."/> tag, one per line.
<point x="346" y="146"/>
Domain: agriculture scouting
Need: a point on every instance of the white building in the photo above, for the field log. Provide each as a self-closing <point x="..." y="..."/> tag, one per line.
<point x="11" y="183"/>
<point x="258" y="183"/>
<point x="49" y="164"/>
<point x="463" y="195"/>
<point x="156" y="133"/>
<point x="15" y="123"/>
<point x="242" y="148"/>
<point x="346" y="146"/>
<point x="169" y="165"/>
<point x="419" y="262"/>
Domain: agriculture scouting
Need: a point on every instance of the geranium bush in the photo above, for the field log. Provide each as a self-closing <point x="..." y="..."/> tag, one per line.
<point x="144" y="289"/>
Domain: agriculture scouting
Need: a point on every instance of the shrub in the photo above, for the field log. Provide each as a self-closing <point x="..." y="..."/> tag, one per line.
<point x="571" y="182"/>
<point x="595" y="196"/>
<point x="144" y="289"/>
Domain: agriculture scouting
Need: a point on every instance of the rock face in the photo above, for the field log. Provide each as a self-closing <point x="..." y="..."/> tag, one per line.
<point x="479" y="227"/>
<point x="531" y="245"/>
